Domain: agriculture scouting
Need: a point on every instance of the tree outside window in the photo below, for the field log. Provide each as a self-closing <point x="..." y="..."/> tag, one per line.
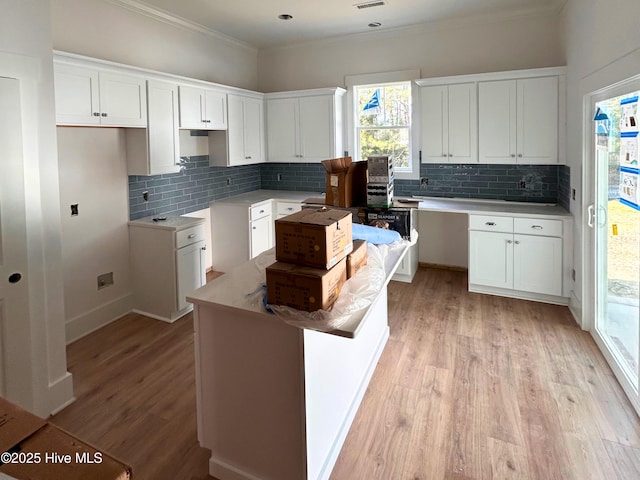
<point x="383" y="122"/>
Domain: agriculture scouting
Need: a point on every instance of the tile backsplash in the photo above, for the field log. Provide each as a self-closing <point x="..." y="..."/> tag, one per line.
<point x="199" y="184"/>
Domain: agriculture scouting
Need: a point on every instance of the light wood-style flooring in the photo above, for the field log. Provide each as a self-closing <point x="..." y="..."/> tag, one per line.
<point x="469" y="386"/>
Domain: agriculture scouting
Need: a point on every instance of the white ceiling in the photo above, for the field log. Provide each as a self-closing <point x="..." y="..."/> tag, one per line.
<point x="256" y="22"/>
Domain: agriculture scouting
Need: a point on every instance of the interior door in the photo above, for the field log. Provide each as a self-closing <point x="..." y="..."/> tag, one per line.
<point x="614" y="217"/>
<point x="13" y="253"/>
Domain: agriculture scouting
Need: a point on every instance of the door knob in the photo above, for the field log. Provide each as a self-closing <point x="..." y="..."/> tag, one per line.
<point x="15" y="278"/>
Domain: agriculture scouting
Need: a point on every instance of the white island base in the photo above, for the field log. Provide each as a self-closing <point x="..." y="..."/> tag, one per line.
<point x="275" y="401"/>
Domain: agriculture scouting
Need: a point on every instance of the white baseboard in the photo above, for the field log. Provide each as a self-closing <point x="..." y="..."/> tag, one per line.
<point x="575" y="307"/>
<point x="61" y="394"/>
<point x="100" y="316"/>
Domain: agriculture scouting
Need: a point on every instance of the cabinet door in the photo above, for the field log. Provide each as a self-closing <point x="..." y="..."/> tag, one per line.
<point x="316" y="128"/>
<point x="491" y="259"/>
<point x="282" y="121"/>
<point x="253" y="130"/>
<point x="77" y="95"/>
<point x="462" y="123"/>
<point x="123" y="100"/>
<point x="215" y="110"/>
<point x="235" y="131"/>
<point x="435" y="118"/>
<point x="497" y="121"/>
<point x="537" y="264"/>
<point x="192" y="108"/>
<point x="261" y="235"/>
<point x="164" y="148"/>
<point x="537" y="124"/>
<point x="190" y="263"/>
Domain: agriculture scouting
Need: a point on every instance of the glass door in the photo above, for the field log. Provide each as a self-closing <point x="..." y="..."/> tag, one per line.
<point x="615" y="219"/>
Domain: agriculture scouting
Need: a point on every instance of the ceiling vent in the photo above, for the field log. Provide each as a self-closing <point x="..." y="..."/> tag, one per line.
<point x="374" y="3"/>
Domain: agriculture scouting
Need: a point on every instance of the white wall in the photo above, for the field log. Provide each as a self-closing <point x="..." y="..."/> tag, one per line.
<point x="93" y="174"/>
<point x="597" y="35"/>
<point x="101" y="29"/>
<point x="448" y="48"/>
<point x="25" y="35"/>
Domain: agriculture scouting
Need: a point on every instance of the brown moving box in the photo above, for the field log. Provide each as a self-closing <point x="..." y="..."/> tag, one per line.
<point x="38" y="450"/>
<point x="304" y="288"/>
<point x="346" y="184"/>
<point x="314" y="237"/>
<point x="357" y="258"/>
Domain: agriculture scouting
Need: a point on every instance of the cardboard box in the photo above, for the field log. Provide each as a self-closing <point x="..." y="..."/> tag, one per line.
<point x="43" y="451"/>
<point x="317" y="238"/>
<point x="399" y="219"/>
<point x="380" y="168"/>
<point x="357" y="258"/>
<point x="304" y="288"/>
<point x="379" y="194"/>
<point x="346" y="183"/>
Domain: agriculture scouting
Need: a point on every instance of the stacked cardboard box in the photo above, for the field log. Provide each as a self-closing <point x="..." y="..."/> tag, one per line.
<point x="346" y="184"/>
<point x="311" y="250"/>
<point x="380" y="185"/>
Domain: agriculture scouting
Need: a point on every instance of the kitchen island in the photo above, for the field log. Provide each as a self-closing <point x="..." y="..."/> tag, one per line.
<point x="275" y="401"/>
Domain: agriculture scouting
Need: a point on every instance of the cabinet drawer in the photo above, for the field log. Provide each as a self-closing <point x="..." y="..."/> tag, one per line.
<point x="287" y="208"/>
<point x="259" y="211"/>
<point x="190" y="235"/>
<point x="537" y="226"/>
<point x="491" y="223"/>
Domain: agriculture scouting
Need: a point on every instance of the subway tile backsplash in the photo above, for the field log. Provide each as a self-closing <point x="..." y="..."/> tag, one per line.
<point x="200" y="184"/>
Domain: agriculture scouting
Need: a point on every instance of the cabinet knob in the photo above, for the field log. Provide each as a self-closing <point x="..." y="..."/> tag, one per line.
<point x="15" y="277"/>
<point x="96" y="114"/>
<point x="253" y="228"/>
<point x="509" y="241"/>
<point x="513" y="155"/>
<point x="104" y="114"/>
<point x="517" y="242"/>
<point x="519" y="155"/>
<point x="204" y="248"/>
<point x="451" y="154"/>
<point x="290" y="208"/>
<point x="191" y="235"/>
<point x="247" y="157"/>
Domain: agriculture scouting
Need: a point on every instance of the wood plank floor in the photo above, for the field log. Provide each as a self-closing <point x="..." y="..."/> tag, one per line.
<point x="469" y="386"/>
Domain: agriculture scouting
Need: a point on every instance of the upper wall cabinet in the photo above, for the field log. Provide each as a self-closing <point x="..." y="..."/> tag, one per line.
<point x="202" y="108"/>
<point x="243" y="141"/>
<point x="92" y="96"/>
<point x="519" y="121"/>
<point x="156" y="150"/>
<point x="449" y="118"/>
<point x="305" y="126"/>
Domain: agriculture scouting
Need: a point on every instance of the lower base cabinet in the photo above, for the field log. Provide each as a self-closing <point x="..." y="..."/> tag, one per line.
<point x="518" y="254"/>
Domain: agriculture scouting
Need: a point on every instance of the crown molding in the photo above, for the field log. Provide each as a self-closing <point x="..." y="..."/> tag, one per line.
<point x="163" y="16"/>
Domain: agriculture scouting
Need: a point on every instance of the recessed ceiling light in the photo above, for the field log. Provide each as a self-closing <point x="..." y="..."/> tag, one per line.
<point x="375" y="24"/>
<point x="285" y="16"/>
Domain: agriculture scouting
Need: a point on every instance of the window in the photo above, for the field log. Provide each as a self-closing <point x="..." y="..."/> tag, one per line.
<point x="382" y="122"/>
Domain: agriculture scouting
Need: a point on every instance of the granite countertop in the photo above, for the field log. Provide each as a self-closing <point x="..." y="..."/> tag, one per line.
<point x="257" y="196"/>
<point x="172" y="222"/>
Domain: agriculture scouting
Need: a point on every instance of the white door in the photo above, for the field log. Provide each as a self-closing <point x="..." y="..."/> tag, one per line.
<point x="463" y="123"/>
<point x="215" y="110"/>
<point x="316" y="128"/>
<point x="261" y="235"/>
<point x="14" y="310"/>
<point x="164" y="147"/>
<point x="253" y="130"/>
<point x="282" y="121"/>
<point x="537" y="264"/>
<point x="614" y="218"/>
<point x="77" y="95"/>
<point x="537" y="137"/>
<point x="192" y="105"/>
<point x="191" y="268"/>
<point x="491" y="259"/>
<point x="435" y="118"/>
<point x="497" y="108"/>
<point x="123" y="100"/>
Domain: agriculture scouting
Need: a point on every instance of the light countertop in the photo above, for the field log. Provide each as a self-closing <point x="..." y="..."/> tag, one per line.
<point x="257" y="196"/>
<point x="172" y="222"/>
<point x="483" y="207"/>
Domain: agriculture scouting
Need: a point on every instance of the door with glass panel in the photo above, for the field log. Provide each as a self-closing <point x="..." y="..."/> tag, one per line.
<point x="615" y="219"/>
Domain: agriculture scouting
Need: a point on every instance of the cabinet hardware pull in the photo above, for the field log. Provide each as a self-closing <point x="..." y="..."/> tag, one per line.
<point x="104" y="114"/>
<point x="289" y="208"/>
<point x="247" y="157"/>
<point x="451" y="154"/>
<point x="519" y="155"/>
<point x="509" y="241"/>
<point x="536" y="227"/>
<point x="204" y="248"/>
<point x="261" y="211"/>
<point x="253" y="228"/>
<point x="491" y="224"/>
<point x="517" y="242"/>
<point x="513" y="155"/>
<point x="191" y="235"/>
<point x="96" y="114"/>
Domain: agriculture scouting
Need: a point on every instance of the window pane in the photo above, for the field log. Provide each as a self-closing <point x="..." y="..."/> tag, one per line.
<point x="386" y="141"/>
<point x="384" y="105"/>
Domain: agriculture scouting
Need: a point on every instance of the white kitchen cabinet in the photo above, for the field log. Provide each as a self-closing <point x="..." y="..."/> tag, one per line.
<point x="202" y="108"/>
<point x="87" y="95"/>
<point x="156" y="149"/>
<point x="239" y="232"/>
<point x="305" y="126"/>
<point x="287" y="208"/>
<point x="518" y="120"/>
<point x="516" y="254"/>
<point x="167" y="263"/>
<point x="243" y="141"/>
<point x="449" y="115"/>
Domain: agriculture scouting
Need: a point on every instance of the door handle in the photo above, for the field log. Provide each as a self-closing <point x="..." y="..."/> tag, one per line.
<point x="591" y="215"/>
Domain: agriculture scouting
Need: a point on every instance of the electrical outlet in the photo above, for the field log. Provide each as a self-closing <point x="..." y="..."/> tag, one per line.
<point x="74" y="209"/>
<point x="228" y="180"/>
<point x="573" y="194"/>
<point x="279" y="177"/>
<point x="105" y="280"/>
<point x="424" y="182"/>
<point x="145" y="196"/>
<point x="522" y="184"/>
